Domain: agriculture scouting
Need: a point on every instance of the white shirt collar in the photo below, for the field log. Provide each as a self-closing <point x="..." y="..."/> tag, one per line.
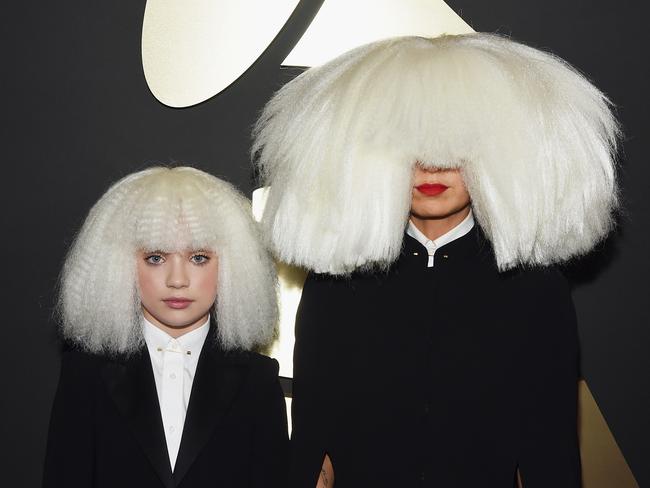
<point x="432" y="245"/>
<point x="191" y="342"/>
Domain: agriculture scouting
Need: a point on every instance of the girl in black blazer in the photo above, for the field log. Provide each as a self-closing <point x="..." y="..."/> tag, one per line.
<point x="164" y="293"/>
<point x="429" y="186"/>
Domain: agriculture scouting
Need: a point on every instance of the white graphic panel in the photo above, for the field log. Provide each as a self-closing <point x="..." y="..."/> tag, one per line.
<point x="194" y="49"/>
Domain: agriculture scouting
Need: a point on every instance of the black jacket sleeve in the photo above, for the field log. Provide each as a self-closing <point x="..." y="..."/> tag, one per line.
<point x="70" y="452"/>
<point x="270" y="458"/>
<point x="310" y="412"/>
<point x="548" y="449"/>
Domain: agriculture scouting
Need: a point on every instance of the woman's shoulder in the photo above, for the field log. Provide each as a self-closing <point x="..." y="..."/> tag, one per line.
<point x="539" y="296"/>
<point x="543" y="297"/>
<point x="548" y="280"/>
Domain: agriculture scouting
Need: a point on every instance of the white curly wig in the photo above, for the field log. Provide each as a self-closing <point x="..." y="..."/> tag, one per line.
<point x="535" y="142"/>
<point x="166" y="209"/>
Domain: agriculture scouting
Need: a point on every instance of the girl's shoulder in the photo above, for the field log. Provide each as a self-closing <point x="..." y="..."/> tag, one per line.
<point x="264" y="365"/>
<point x="257" y="363"/>
<point x="77" y="358"/>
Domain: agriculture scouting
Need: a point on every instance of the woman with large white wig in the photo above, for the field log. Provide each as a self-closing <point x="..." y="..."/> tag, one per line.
<point x="431" y="351"/>
<point x="533" y="138"/>
<point x="165" y="293"/>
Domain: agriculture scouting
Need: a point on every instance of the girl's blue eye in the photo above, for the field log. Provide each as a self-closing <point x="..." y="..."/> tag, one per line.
<point x="200" y="259"/>
<point x="154" y="259"/>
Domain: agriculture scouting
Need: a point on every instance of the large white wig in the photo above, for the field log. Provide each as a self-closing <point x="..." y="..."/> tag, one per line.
<point x="166" y="209"/>
<point x="534" y="139"/>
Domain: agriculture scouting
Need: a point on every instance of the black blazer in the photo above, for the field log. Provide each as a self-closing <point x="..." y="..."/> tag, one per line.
<point x="106" y="428"/>
<point x="453" y="376"/>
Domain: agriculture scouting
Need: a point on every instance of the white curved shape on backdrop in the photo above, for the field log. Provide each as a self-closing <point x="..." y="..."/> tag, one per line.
<point x="194" y="49"/>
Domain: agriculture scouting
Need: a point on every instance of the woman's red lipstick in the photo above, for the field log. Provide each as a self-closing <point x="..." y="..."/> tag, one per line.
<point x="431" y="189"/>
<point x="178" y="303"/>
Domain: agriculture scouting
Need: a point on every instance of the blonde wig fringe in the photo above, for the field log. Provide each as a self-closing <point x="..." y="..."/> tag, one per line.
<point x="535" y="142"/>
<point x="166" y="209"/>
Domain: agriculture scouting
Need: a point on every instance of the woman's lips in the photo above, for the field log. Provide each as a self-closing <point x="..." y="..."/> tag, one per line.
<point x="178" y="303"/>
<point x="431" y="189"/>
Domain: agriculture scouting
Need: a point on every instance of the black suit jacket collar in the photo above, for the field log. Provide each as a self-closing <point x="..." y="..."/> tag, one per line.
<point x="130" y="383"/>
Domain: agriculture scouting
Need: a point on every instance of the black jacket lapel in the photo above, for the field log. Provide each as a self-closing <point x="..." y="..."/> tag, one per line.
<point x="218" y="378"/>
<point x="132" y="387"/>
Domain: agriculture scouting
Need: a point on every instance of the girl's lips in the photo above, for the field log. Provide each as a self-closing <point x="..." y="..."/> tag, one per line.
<point x="178" y="303"/>
<point x="431" y="189"/>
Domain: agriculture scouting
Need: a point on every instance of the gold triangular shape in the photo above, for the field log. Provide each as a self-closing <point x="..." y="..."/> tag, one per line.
<point x="603" y="464"/>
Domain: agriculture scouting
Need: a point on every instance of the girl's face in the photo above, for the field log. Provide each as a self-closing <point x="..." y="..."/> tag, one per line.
<point x="177" y="289"/>
<point x="438" y="193"/>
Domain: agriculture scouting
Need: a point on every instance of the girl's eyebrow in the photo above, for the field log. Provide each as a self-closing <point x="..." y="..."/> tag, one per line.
<point x="156" y="251"/>
<point x="187" y="252"/>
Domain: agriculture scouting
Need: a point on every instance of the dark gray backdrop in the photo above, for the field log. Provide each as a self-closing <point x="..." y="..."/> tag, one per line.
<point x="78" y="115"/>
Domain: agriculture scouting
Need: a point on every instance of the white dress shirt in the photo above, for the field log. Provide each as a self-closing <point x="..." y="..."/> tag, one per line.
<point x="174" y="364"/>
<point x="433" y="245"/>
